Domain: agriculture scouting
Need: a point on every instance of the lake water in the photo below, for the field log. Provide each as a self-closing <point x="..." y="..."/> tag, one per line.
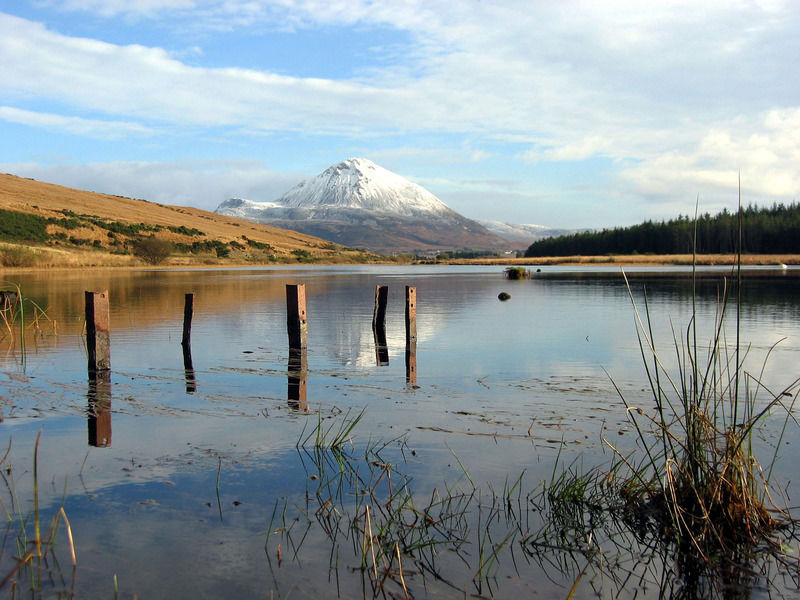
<point x="207" y="483"/>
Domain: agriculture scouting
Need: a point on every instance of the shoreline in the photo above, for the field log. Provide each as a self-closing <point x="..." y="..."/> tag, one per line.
<point x="778" y="261"/>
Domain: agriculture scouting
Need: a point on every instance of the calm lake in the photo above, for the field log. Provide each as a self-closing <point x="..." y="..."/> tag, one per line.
<point x="208" y="484"/>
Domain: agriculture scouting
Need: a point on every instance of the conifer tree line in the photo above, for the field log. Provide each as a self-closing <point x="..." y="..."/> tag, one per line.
<point x="774" y="230"/>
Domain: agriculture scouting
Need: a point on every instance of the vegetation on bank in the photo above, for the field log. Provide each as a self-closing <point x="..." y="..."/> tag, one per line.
<point x="774" y="230"/>
<point x="66" y="238"/>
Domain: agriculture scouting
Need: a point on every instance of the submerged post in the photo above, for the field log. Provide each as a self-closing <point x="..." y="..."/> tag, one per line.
<point x="296" y="318"/>
<point x="411" y="335"/>
<point x="97" y="331"/>
<point x="411" y="313"/>
<point x="186" y="344"/>
<point x="379" y="315"/>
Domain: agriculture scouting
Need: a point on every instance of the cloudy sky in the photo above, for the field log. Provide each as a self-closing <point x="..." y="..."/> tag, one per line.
<point x="566" y="114"/>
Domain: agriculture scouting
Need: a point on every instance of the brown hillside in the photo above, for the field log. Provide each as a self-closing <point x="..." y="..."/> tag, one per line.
<point x="57" y="202"/>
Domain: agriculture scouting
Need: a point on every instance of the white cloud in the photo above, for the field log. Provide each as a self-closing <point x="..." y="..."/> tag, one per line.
<point x="689" y="96"/>
<point x="202" y="184"/>
<point x="74" y="125"/>
<point x="765" y="150"/>
<point x="112" y="8"/>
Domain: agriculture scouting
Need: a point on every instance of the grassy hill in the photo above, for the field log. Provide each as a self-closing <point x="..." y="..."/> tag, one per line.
<point x="43" y="224"/>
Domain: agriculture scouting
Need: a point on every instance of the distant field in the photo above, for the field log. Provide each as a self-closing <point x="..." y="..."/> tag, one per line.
<point x="74" y="228"/>
<point x="641" y="259"/>
<point x="69" y="227"/>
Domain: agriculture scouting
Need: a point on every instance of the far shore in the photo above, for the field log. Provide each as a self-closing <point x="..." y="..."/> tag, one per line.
<point x="90" y="261"/>
<point x="778" y="260"/>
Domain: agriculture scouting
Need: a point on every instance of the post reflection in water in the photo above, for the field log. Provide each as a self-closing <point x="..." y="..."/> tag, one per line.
<point x="297" y="379"/>
<point x="188" y="370"/>
<point x="99" y="409"/>
<point x="381" y="348"/>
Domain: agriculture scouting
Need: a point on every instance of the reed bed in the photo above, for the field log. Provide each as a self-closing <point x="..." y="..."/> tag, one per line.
<point x="690" y="510"/>
<point x="697" y="481"/>
<point x="35" y="570"/>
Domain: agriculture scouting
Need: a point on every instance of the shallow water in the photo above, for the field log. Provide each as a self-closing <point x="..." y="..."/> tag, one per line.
<point x="195" y="469"/>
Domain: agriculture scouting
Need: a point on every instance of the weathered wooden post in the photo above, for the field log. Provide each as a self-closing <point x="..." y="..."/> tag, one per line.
<point x="379" y="325"/>
<point x="379" y="314"/>
<point x="186" y="343"/>
<point x="297" y="380"/>
<point x="188" y="311"/>
<point x="411" y="335"/>
<point x="411" y="313"/>
<point x="97" y="331"/>
<point x="296" y="318"/>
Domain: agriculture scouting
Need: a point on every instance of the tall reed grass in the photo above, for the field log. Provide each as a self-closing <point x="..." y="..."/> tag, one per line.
<point x="36" y="570"/>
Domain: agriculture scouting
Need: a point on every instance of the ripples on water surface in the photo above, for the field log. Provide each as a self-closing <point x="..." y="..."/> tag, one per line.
<point x="183" y="496"/>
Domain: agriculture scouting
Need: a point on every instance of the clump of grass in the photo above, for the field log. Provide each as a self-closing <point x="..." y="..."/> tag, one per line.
<point x="515" y="273"/>
<point x="700" y="479"/>
<point x="36" y="564"/>
<point x="13" y="315"/>
<point x="334" y="436"/>
<point x="17" y="256"/>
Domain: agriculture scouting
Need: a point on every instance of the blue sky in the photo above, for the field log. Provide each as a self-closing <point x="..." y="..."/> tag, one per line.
<point x="565" y="114"/>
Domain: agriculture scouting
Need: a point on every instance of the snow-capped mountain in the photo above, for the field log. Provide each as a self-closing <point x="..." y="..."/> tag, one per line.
<point x="360" y="204"/>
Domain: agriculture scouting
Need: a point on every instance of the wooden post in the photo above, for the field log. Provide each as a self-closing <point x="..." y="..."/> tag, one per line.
<point x="296" y="318"/>
<point x="411" y="313"/>
<point x="97" y="331"/>
<point x="379" y="315"/>
<point x="186" y="344"/>
<point x="411" y="335"/>
<point x="188" y="311"/>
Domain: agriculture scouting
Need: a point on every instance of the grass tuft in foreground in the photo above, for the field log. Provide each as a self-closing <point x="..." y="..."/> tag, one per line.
<point x="697" y="485"/>
<point x="34" y="569"/>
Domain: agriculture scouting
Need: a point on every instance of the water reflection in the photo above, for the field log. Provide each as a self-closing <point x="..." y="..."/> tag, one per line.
<point x="99" y="409"/>
<point x="537" y="359"/>
<point x="188" y="373"/>
<point x="297" y="380"/>
<point x="381" y="348"/>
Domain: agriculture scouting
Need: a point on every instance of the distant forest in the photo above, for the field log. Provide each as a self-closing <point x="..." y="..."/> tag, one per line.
<point x="774" y="230"/>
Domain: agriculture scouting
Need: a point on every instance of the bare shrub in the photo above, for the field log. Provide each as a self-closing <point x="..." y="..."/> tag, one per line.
<point x="153" y="250"/>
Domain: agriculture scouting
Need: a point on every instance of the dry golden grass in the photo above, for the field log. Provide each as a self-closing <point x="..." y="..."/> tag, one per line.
<point x="640" y="259"/>
<point x="49" y="200"/>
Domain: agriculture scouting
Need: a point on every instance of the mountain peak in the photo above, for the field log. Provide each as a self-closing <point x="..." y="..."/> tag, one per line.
<point x="358" y="183"/>
<point x="360" y="204"/>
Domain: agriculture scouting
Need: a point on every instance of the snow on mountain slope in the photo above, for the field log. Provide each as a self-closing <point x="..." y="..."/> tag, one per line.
<point x="360" y="183"/>
<point x="527" y="233"/>
<point x="360" y="204"/>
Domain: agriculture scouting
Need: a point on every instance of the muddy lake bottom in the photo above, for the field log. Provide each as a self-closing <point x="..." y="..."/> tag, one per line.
<point x="222" y="481"/>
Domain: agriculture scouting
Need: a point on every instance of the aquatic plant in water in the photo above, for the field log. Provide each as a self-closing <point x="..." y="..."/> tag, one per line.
<point x="697" y="488"/>
<point x="13" y="316"/>
<point x="34" y="569"/>
<point x="517" y="273"/>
